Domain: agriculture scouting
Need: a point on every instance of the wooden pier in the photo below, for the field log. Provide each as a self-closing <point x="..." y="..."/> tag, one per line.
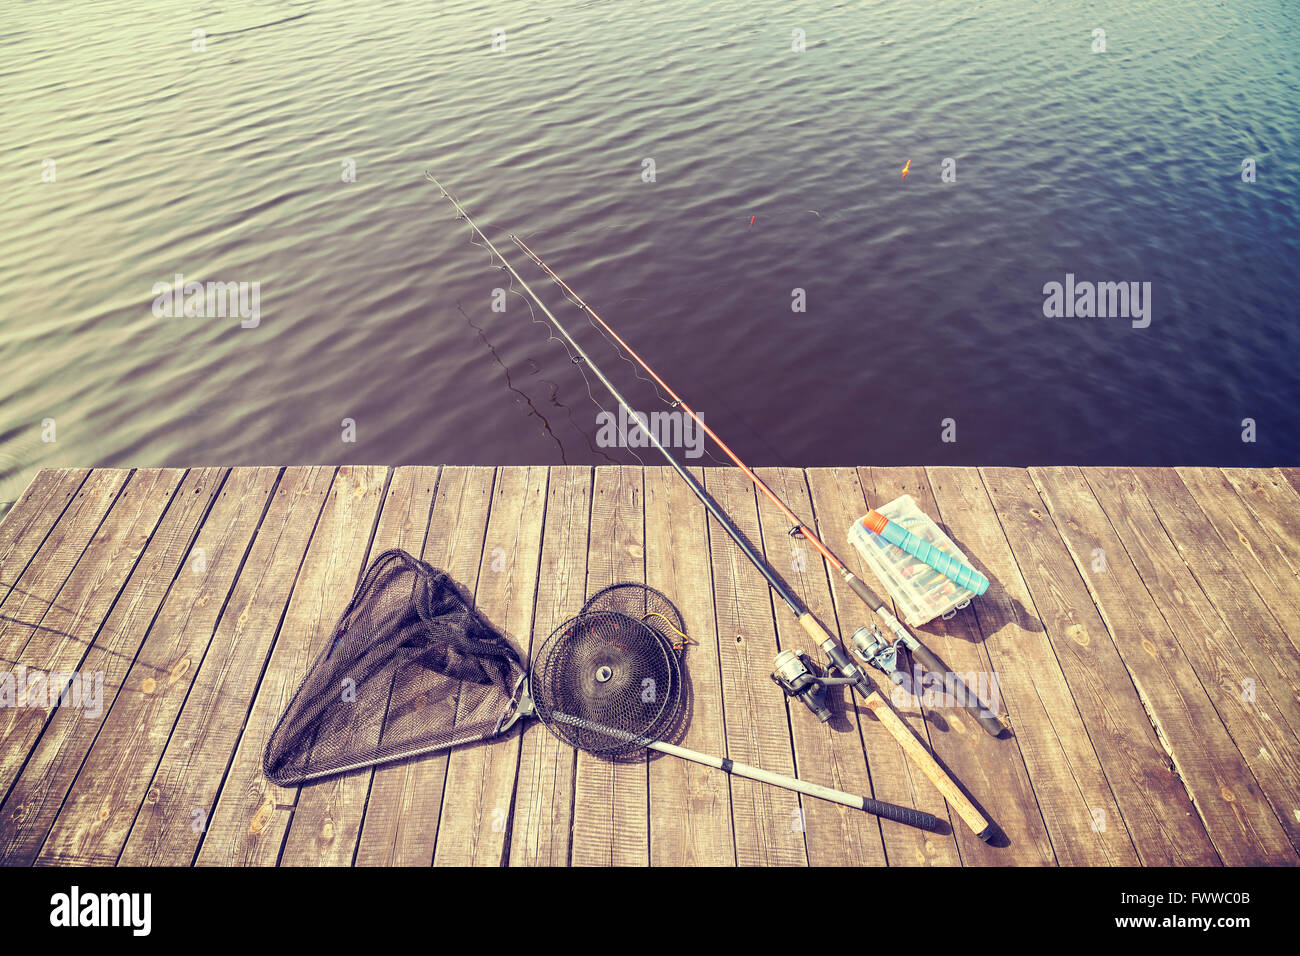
<point x="1143" y="625"/>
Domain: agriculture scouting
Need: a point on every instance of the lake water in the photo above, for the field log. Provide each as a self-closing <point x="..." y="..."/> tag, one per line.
<point x="775" y="169"/>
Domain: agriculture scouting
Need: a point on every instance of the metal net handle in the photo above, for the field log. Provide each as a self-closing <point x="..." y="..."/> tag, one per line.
<point x="890" y="811"/>
<point x="457" y="738"/>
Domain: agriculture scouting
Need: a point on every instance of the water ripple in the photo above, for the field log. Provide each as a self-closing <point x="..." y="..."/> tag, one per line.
<point x="924" y="298"/>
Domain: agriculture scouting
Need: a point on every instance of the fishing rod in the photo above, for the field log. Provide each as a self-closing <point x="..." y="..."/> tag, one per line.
<point x="869" y="644"/>
<point x="852" y="674"/>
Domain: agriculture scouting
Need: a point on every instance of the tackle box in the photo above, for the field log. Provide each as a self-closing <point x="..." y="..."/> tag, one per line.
<point x="921" y="592"/>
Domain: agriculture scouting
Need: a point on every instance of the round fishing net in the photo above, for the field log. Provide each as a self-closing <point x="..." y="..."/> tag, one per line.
<point x="607" y="683"/>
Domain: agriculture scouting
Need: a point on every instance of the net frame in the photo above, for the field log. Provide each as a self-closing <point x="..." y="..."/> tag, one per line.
<point x="621" y="723"/>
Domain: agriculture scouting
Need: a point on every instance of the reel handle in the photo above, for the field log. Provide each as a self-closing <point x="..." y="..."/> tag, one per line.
<point x="797" y="680"/>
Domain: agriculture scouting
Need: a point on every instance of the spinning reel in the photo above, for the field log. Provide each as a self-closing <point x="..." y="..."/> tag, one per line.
<point x="794" y="674"/>
<point x="796" y="677"/>
<point x="871" y="647"/>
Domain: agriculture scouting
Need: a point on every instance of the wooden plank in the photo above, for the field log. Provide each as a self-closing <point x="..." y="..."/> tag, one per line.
<point x="170" y="823"/>
<point x="991" y="770"/>
<point x="768" y="821"/>
<point x="1229" y="588"/>
<point x="1155" y="805"/>
<point x="838" y="500"/>
<point x="1276" y="505"/>
<point x="103" y="658"/>
<point x="35" y="511"/>
<point x="542" y="817"/>
<point x="32" y="517"/>
<point x="611" y="815"/>
<point x="58" y="643"/>
<point x="326" y="822"/>
<point x="1225" y="662"/>
<point x="1256" y="549"/>
<point x="1079" y="809"/>
<point x="481" y="779"/>
<point x="1208" y="578"/>
<point x="401" y="822"/>
<point x="828" y="753"/>
<point x="93" y="823"/>
<point x="1232" y="807"/>
<point x="690" y="805"/>
<point x="912" y="709"/>
<point x="31" y="594"/>
<point x="248" y="825"/>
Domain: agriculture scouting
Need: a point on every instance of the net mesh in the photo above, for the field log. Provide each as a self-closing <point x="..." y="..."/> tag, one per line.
<point x="411" y="667"/>
<point x="607" y="683"/>
<point x="643" y="603"/>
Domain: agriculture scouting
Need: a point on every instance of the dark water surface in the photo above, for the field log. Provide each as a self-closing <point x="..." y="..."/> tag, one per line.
<point x="924" y="298"/>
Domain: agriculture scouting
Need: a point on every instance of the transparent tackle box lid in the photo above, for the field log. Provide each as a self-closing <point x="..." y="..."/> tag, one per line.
<point x="921" y="592"/>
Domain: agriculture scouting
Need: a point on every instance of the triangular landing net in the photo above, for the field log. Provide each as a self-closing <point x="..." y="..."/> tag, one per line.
<point x="411" y="668"/>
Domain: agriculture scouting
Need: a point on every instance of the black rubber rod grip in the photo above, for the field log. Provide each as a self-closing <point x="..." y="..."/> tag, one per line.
<point x="891" y="811"/>
<point x="955" y="687"/>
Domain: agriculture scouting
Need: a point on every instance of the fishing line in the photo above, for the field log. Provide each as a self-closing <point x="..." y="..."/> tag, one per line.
<point x="496" y="261"/>
<point x="576" y="362"/>
<point x="663" y="399"/>
<point x="636" y="371"/>
<point x="546" y="425"/>
<point x="568" y="411"/>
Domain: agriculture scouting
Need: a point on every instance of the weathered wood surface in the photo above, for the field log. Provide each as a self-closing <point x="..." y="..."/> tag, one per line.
<point x="1143" y="628"/>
